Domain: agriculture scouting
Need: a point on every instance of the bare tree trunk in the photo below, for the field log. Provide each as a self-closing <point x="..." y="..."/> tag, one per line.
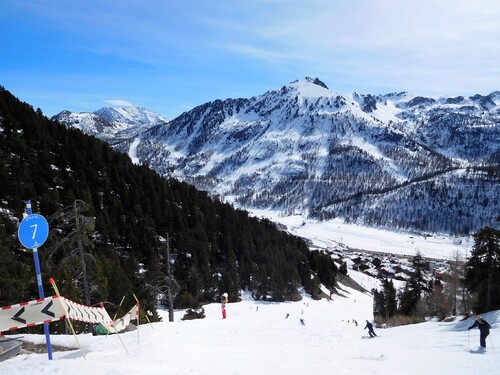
<point x="86" y="287"/>
<point x="169" y="275"/>
<point x="489" y="291"/>
<point x="465" y="302"/>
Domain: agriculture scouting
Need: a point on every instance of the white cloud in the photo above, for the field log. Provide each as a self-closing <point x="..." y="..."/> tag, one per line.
<point x="118" y="103"/>
<point x="430" y="46"/>
<point x="194" y="51"/>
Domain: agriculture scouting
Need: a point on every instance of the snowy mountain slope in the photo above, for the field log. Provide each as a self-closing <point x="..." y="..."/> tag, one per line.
<point x="307" y="148"/>
<point x="302" y="131"/>
<point x="112" y="124"/>
<point x="257" y="338"/>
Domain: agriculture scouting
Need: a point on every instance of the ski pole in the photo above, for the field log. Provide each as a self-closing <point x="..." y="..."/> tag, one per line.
<point x="491" y="342"/>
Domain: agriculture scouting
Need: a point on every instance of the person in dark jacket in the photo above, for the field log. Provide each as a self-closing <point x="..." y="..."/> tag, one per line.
<point x="371" y="332"/>
<point x="484" y="329"/>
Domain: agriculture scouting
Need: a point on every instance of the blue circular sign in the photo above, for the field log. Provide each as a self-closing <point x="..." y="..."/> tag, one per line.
<point x="33" y="231"/>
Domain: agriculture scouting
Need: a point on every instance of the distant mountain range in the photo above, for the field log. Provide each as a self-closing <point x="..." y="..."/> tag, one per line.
<point x="395" y="160"/>
<point x="112" y="124"/>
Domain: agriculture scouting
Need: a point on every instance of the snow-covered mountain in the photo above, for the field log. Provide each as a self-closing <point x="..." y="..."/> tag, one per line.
<point x="394" y="160"/>
<point x="112" y="124"/>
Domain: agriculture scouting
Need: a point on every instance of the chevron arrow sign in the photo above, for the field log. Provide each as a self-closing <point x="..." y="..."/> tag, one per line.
<point x="27" y="314"/>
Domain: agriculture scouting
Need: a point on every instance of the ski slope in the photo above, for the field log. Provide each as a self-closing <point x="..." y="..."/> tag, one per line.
<point x="257" y="338"/>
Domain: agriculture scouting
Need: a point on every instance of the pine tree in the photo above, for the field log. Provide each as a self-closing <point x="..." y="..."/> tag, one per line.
<point x="384" y="301"/>
<point x="411" y="295"/>
<point x="483" y="270"/>
<point x="74" y="243"/>
<point x="131" y="206"/>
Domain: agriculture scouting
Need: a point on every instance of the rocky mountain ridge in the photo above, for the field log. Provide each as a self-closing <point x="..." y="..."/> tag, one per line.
<point x="112" y="124"/>
<point x="394" y="160"/>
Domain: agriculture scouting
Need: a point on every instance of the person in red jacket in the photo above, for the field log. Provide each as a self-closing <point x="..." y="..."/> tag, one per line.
<point x="223" y="302"/>
<point x="484" y="330"/>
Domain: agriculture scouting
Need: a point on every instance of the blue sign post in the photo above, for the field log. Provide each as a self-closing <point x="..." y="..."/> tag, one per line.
<point x="33" y="231"/>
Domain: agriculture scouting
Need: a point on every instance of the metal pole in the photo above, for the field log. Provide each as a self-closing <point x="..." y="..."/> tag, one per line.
<point x="53" y="283"/>
<point x="139" y="317"/>
<point x="116" y="313"/>
<point x="40" y="286"/>
<point x="145" y="313"/>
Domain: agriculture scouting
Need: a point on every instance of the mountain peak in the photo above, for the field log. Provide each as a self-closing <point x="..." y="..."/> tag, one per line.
<point x="307" y="80"/>
<point x="310" y="87"/>
<point x="131" y="114"/>
<point x="316" y="81"/>
<point x="304" y="147"/>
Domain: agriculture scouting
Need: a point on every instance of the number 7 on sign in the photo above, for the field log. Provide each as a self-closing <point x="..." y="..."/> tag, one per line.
<point x="34" y="231"/>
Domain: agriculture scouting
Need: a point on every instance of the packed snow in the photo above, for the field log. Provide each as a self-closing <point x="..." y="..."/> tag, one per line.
<point x="259" y="338"/>
<point x="268" y="338"/>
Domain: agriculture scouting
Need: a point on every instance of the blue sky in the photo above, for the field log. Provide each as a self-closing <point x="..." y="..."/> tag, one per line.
<point x="170" y="56"/>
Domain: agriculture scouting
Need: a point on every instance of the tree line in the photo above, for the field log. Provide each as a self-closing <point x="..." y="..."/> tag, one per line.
<point x="470" y="286"/>
<point x="109" y="219"/>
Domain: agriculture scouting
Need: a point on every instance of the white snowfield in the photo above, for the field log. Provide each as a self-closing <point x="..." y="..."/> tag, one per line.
<point x="331" y="233"/>
<point x="257" y="338"/>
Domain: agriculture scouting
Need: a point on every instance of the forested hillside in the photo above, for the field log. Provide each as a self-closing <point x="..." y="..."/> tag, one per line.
<point x="109" y="220"/>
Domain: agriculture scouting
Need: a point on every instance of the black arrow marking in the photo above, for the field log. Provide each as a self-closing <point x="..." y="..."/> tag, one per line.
<point x="17" y="316"/>
<point x="46" y="309"/>
<point x="69" y="308"/>
<point x="80" y="312"/>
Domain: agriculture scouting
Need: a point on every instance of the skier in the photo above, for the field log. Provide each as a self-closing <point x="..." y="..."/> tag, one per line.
<point x="371" y="332"/>
<point x="484" y="330"/>
<point x="223" y="301"/>
<point x="302" y="322"/>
